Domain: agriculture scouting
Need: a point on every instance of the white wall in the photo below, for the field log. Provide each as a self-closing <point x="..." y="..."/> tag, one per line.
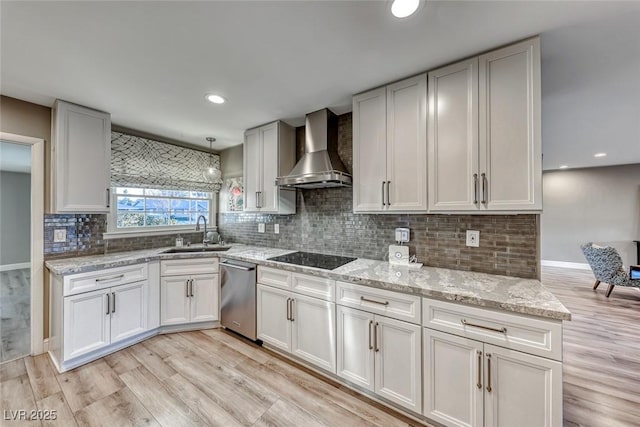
<point x="590" y="205"/>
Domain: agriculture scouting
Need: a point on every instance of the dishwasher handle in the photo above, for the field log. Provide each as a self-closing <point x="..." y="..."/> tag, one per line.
<point x="238" y="267"/>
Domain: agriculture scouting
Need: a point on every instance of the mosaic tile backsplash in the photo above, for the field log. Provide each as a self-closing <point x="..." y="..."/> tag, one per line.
<point x="325" y="223"/>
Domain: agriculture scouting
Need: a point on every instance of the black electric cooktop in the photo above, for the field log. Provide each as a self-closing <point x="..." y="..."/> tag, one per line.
<point x="309" y="259"/>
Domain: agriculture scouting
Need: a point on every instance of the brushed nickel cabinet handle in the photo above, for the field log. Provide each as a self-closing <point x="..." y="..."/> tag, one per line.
<point x="388" y="193"/>
<point x="108" y="197"/>
<point x="489" y="372"/>
<point x="113" y="309"/>
<point x="485" y="185"/>
<point x="108" y="304"/>
<point x="373" y="301"/>
<point x="383" y="203"/>
<point x="488" y="328"/>
<point x="370" y="324"/>
<point x="479" y="369"/>
<point x="257" y="201"/>
<point x="475" y="188"/>
<point x="293" y="308"/>
<point x="191" y="293"/>
<point x="375" y="336"/>
<point x="288" y="309"/>
<point x="186" y="287"/>
<point x="108" y="279"/>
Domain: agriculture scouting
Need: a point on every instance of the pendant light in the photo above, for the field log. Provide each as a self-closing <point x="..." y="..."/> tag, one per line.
<point x="212" y="174"/>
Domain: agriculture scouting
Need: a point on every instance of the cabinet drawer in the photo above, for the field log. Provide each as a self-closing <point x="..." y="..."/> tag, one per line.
<point x="388" y="303"/>
<point x="530" y="335"/>
<point x="189" y="266"/>
<point x="274" y="277"/>
<point x="313" y="286"/>
<point x="94" y="280"/>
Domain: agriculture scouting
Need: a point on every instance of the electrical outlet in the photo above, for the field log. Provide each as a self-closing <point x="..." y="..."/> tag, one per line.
<point x="276" y="228"/>
<point x="261" y="227"/>
<point x="59" y="235"/>
<point x="473" y="238"/>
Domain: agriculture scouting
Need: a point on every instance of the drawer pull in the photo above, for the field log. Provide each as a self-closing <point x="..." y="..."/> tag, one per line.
<point x="373" y="301"/>
<point x="488" y="328"/>
<point x="108" y="279"/>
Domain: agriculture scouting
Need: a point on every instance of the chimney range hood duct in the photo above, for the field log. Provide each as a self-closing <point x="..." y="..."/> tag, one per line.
<point x="320" y="166"/>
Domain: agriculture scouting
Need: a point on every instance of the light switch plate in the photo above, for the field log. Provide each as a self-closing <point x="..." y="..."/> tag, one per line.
<point x="402" y="235"/>
<point x="473" y="238"/>
<point x="59" y="235"/>
<point x="276" y="228"/>
<point x="261" y="227"/>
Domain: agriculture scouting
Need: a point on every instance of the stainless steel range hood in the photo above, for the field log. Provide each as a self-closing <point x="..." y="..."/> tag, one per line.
<point x="320" y="167"/>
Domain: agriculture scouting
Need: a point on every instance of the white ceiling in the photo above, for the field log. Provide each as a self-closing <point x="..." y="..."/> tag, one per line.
<point x="150" y="63"/>
<point x="15" y="157"/>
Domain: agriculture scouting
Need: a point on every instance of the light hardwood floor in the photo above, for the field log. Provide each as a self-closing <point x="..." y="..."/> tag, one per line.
<point x="214" y="378"/>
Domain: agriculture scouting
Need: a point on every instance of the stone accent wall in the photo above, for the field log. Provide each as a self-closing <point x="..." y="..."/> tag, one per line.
<point x="84" y="237"/>
<point x="325" y="223"/>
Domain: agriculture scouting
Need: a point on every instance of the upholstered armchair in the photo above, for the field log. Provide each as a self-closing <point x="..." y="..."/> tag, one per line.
<point x="607" y="267"/>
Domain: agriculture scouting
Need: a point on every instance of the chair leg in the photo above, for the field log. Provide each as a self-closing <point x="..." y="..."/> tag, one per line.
<point x="595" y="285"/>
<point x="609" y="289"/>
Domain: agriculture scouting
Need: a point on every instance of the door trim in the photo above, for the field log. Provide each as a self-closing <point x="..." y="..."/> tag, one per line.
<point x="37" y="236"/>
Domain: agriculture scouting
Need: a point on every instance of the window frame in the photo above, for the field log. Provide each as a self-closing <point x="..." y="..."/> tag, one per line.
<point x="114" y="232"/>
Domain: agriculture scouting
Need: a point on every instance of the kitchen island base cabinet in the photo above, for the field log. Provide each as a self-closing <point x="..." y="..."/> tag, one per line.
<point x="382" y="355"/>
<point x="297" y="324"/>
<point x="470" y="383"/>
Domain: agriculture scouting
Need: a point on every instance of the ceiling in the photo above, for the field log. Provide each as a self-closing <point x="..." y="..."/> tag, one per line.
<point x="150" y="63"/>
<point x="15" y="157"/>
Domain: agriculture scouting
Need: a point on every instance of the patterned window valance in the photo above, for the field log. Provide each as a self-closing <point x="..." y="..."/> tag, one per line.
<point x="144" y="163"/>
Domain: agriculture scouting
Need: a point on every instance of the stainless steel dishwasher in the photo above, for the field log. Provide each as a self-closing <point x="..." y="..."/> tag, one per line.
<point x="238" y="293"/>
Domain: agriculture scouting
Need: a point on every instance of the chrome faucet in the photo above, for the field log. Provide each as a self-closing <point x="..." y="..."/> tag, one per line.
<point x="205" y="241"/>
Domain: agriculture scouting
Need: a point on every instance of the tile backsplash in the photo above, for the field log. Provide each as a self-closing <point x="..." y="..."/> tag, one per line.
<point x="325" y="222"/>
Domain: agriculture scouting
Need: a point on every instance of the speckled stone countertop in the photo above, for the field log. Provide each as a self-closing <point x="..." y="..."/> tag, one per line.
<point x="513" y="294"/>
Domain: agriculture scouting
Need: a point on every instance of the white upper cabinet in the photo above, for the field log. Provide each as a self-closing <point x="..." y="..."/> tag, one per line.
<point x="390" y="148"/>
<point x="80" y="159"/>
<point x="269" y="152"/>
<point x="510" y="127"/>
<point x="484" y="132"/>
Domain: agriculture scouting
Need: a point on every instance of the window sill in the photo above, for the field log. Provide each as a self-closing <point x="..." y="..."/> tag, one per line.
<point x="149" y="233"/>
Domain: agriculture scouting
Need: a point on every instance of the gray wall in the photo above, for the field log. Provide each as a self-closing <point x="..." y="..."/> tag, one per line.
<point x="601" y="205"/>
<point x="15" y="208"/>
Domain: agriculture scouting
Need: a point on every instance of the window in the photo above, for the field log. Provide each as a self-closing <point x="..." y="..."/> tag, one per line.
<point x="138" y="209"/>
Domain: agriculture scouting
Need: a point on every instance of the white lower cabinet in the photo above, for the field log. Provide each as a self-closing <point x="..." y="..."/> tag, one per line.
<point x="470" y="383"/>
<point x="186" y="299"/>
<point x="94" y="320"/>
<point x="298" y="324"/>
<point x="382" y="355"/>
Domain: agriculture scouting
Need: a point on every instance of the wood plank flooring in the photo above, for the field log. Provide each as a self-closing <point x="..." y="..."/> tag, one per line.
<point x="213" y="378"/>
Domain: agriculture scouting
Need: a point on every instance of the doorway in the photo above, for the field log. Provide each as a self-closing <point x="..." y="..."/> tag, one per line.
<point x="21" y="242"/>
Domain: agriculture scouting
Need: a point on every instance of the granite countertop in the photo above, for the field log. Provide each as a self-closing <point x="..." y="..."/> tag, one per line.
<point x="512" y="294"/>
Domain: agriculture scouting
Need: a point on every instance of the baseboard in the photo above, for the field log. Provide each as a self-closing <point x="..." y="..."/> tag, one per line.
<point x="563" y="264"/>
<point x="19" y="266"/>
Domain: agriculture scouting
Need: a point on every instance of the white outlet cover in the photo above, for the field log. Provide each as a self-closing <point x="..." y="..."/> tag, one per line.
<point x="473" y="238"/>
<point x="261" y="227"/>
<point x="59" y="235"/>
<point x="276" y="228"/>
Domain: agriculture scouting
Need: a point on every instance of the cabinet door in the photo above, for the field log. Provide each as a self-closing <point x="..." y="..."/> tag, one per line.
<point x="86" y="323"/>
<point x="252" y="169"/>
<point x="174" y="301"/>
<point x="407" y="145"/>
<point x="510" y="141"/>
<point x="521" y="389"/>
<point x="81" y="158"/>
<point x="398" y="362"/>
<point x="355" y="346"/>
<point x="128" y="310"/>
<point x="273" y="326"/>
<point x="453" y="137"/>
<point x="453" y="383"/>
<point x="204" y="298"/>
<point x="369" y="150"/>
<point x="268" y="196"/>
<point x="313" y="331"/>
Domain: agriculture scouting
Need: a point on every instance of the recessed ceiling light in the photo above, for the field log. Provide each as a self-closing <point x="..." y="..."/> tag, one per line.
<point x="404" y="8"/>
<point x="564" y="166"/>
<point x="600" y="155"/>
<point x="216" y="99"/>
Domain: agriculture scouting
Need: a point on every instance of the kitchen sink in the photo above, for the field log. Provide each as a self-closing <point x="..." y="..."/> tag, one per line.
<point x="196" y="250"/>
